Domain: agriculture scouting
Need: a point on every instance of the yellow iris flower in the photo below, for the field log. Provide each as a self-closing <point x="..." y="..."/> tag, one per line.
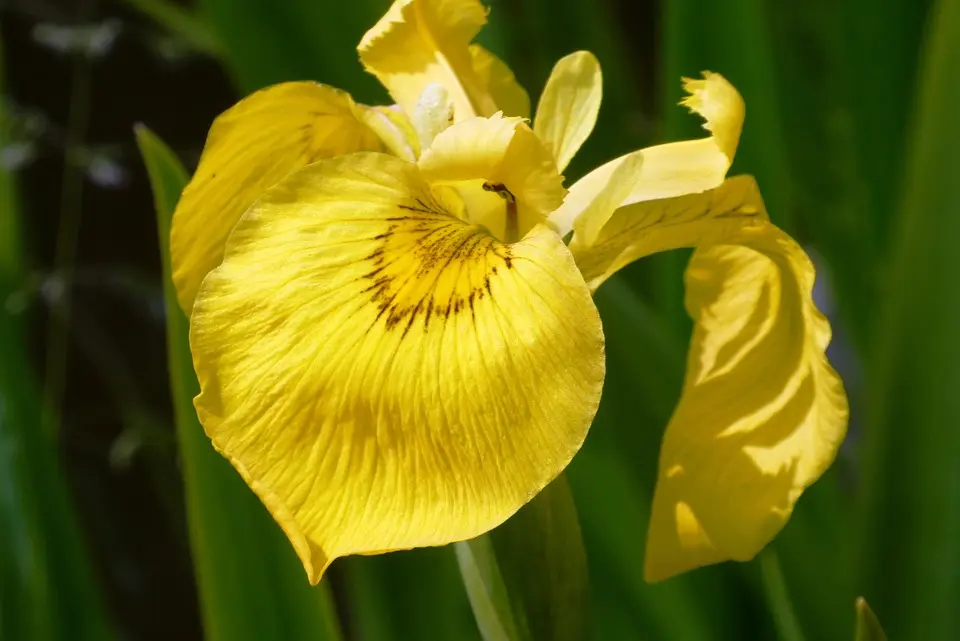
<point x="396" y="348"/>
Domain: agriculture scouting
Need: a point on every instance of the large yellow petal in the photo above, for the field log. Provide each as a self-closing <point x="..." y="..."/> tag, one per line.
<point x="569" y="105"/>
<point x="419" y="42"/>
<point x="673" y="169"/>
<point x="384" y="375"/>
<point x="250" y="147"/>
<point x="501" y="152"/>
<point x="653" y="226"/>
<point x="762" y="413"/>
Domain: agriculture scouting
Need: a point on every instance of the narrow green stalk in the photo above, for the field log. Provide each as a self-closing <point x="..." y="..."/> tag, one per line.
<point x="778" y="597"/>
<point x="65" y="256"/>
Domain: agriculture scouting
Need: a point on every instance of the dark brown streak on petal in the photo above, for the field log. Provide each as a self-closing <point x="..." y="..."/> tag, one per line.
<point x="413" y="250"/>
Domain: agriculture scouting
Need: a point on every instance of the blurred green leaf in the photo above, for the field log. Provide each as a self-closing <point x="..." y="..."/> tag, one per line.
<point x="830" y="198"/>
<point x="527" y="579"/>
<point x="778" y="597"/>
<point x="265" y="42"/>
<point x="47" y="586"/>
<point x="910" y="539"/>
<point x="180" y="22"/>
<point x="251" y="584"/>
<point x="868" y="628"/>
<point x="881" y="46"/>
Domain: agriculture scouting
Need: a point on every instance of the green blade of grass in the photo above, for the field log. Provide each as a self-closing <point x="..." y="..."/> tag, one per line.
<point x="47" y="586"/>
<point x="910" y="543"/>
<point x="251" y="584"/>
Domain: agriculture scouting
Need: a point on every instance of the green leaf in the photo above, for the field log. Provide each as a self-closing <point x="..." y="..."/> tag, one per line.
<point x="265" y="42"/>
<point x="251" y="584"/>
<point x="180" y="22"/>
<point x="47" y="586"/>
<point x="527" y="579"/>
<point x="910" y="538"/>
<point x="868" y="628"/>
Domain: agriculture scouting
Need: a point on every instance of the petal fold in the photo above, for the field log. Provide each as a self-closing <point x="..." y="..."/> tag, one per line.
<point x="568" y="107"/>
<point x="419" y="42"/>
<point x="673" y="169"/>
<point x="648" y="227"/>
<point x="251" y="147"/>
<point x="375" y="367"/>
<point x="762" y="414"/>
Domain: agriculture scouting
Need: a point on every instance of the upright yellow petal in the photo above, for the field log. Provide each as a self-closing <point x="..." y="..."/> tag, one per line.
<point x="762" y="413"/>
<point x="673" y="169"/>
<point x="494" y="74"/>
<point x="419" y="42"/>
<point x="250" y="147"/>
<point x="433" y="114"/>
<point x="374" y="367"/>
<point x="569" y="105"/>
<point x="645" y="228"/>
<point x="501" y="153"/>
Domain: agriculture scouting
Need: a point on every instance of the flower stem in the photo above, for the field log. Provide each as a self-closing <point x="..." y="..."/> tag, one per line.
<point x="778" y="597"/>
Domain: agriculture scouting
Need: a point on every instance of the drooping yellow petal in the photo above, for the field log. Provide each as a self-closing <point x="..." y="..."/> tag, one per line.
<point x="569" y="105"/>
<point x="375" y="367"/>
<point x="673" y="169"/>
<point x="501" y="152"/>
<point x="653" y="226"/>
<point x="762" y="413"/>
<point x="419" y="42"/>
<point x="250" y="147"/>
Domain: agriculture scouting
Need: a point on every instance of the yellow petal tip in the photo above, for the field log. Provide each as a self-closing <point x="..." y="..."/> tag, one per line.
<point x="721" y="106"/>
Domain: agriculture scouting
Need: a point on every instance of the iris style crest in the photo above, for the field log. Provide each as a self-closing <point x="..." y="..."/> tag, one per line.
<point x="397" y="348"/>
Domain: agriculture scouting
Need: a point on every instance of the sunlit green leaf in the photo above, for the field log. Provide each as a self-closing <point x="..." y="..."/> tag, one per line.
<point x="251" y="584"/>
